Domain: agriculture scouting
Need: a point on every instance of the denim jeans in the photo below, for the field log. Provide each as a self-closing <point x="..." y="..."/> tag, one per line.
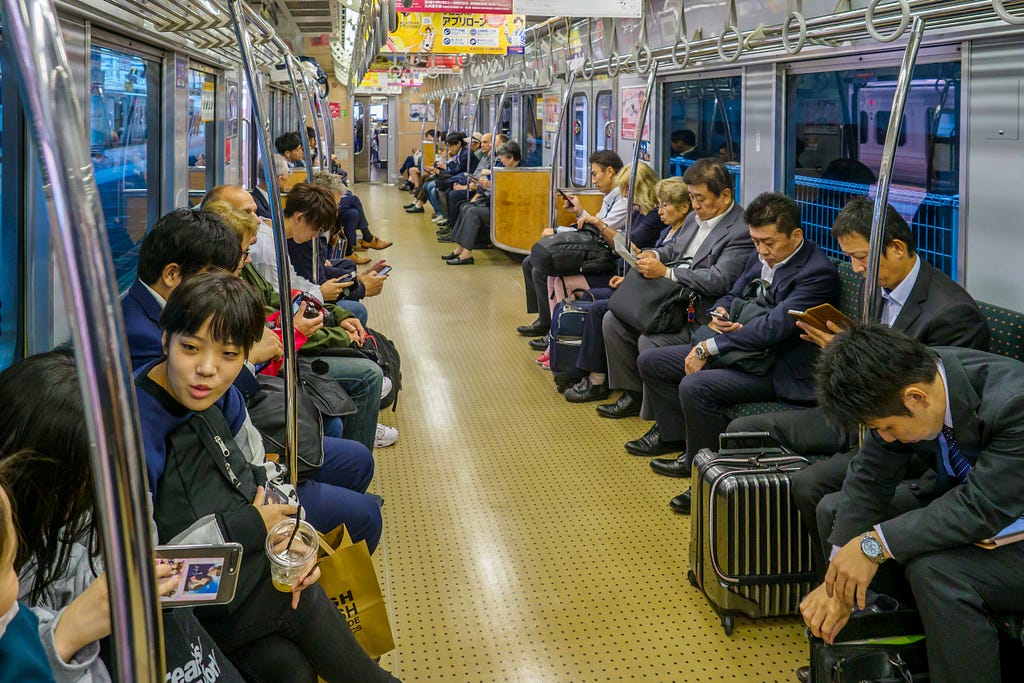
<point x="434" y="198"/>
<point x="362" y="380"/>
<point x="356" y="308"/>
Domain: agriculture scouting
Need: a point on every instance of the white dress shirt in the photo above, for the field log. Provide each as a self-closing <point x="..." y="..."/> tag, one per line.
<point x="264" y="259"/>
<point x="894" y="299"/>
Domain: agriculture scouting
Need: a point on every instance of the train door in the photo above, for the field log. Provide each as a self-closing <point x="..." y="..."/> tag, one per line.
<point x="701" y="118"/>
<point x="577" y="138"/>
<point x="360" y="138"/>
<point x="124" y="142"/>
<point x="201" y="115"/>
<point x="531" y="128"/>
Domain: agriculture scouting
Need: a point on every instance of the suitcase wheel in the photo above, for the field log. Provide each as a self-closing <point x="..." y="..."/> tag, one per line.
<point x="692" y="578"/>
<point x="727" y="623"/>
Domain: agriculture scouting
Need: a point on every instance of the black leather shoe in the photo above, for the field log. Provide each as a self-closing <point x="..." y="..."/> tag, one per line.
<point x="585" y="391"/>
<point x="534" y="329"/>
<point x="650" y="444"/>
<point x="450" y="257"/>
<point x="461" y="261"/>
<point x="445" y="238"/>
<point x="415" y="209"/>
<point x="627" y="405"/>
<point x="803" y="674"/>
<point x="673" y="467"/>
<point x="681" y="503"/>
<point x="410" y="205"/>
<point x="540" y="344"/>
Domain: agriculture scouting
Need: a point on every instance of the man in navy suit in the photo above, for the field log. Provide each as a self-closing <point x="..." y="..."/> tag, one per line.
<point x="183" y="243"/>
<point x="961" y="411"/>
<point x="753" y="352"/>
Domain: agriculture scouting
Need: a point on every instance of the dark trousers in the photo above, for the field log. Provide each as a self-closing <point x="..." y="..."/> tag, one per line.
<point x="807" y="432"/>
<point x="336" y="494"/>
<point x="472" y="219"/>
<point x="315" y="632"/>
<point x="454" y="200"/>
<point x="592" y="356"/>
<point x="536" y="281"/>
<point x="692" y="407"/>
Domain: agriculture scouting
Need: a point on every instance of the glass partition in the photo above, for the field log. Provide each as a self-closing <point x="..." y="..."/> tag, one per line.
<point x="836" y="126"/>
<point x="201" y="115"/>
<point x="124" y="106"/>
<point x="579" y="169"/>
<point x="604" y="121"/>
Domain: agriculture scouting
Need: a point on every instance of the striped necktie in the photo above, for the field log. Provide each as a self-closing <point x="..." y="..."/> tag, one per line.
<point x="958" y="464"/>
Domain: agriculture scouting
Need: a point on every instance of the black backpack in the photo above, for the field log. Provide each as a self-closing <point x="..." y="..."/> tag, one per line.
<point x="384" y="353"/>
<point x="573" y="252"/>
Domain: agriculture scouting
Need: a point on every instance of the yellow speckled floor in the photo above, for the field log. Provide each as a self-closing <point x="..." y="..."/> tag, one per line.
<point x="521" y="542"/>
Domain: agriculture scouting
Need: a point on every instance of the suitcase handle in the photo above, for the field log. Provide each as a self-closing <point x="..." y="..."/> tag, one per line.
<point x="766" y="439"/>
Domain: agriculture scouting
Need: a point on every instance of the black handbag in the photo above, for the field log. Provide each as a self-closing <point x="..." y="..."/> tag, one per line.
<point x="873" y="648"/>
<point x="653" y="306"/>
<point x="266" y="410"/>
<point x="574" y="252"/>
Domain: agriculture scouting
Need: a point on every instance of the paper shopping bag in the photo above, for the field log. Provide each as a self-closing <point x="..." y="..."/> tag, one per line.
<point x="350" y="581"/>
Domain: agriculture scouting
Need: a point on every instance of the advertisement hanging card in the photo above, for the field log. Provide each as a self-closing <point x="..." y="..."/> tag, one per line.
<point x="446" y="33"/>
<point x="457" y="6"/>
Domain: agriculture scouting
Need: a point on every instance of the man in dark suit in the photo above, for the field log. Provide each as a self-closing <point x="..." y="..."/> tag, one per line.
<point x="918" y="300"/>
<point x="684" y="144"/>
<point x="962" y="411"/>
<point x="690" y="386"/>
<point x="708" y="253"/>
<point x="259" y="193"/>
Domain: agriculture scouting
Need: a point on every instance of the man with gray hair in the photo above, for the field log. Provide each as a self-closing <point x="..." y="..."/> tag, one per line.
<point x="260" y="194"/>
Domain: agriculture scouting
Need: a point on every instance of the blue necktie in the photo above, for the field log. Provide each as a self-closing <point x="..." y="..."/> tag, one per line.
<point x="957" y="462"/>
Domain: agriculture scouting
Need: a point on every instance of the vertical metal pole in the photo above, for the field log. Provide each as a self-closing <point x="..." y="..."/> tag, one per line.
<point x="636" y="152"/>
<point x="321" y="137"/>
<point x="453" y="116"/>
<point x="871" y="306"/>
<point x="556" y="146"/>
<point x="83" y="255"/>
<point x="472" y="124"/>
<point x="299" y="109"/>
<point x="494" y="128"/>
<point x="284" y="280"/>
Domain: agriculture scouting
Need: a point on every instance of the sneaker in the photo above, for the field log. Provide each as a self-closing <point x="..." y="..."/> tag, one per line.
<point x="544" y="358"/>
<point x="385" y="436"/>
<point x="385" y="387"/>
<point x="438" y="218"/>
<point x="415" y="209"/>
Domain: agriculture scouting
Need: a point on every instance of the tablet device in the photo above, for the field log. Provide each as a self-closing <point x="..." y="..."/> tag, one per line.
<point x="207" y="574"/>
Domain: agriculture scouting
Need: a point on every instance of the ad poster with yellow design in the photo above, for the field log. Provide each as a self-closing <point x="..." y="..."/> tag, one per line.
<point x="442" y="33"/>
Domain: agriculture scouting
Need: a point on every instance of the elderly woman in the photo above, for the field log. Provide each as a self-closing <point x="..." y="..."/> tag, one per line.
<point x="476" y="215"/>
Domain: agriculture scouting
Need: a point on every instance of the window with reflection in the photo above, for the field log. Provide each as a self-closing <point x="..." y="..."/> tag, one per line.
<point x="124" y="107"/>
<point x="703" y="119"/>
<point x="835" y="133"/>
<point x="201" y="115"/>
<point x="579" y="168"/>
<point x="604" y="121"/>
<point x="358" y="124"/>
<point x="532" y="142"/>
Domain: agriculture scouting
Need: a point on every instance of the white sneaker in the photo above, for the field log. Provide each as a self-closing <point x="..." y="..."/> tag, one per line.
<point x="437" y="219"/>
<point x="385" y="436"/>
<point x="385" y="387"/>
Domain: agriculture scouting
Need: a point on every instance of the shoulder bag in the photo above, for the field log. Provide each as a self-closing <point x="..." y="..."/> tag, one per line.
<point x="654" y="306"/>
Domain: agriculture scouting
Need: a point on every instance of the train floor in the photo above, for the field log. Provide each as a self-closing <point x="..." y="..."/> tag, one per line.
<point x="521" y="541"/>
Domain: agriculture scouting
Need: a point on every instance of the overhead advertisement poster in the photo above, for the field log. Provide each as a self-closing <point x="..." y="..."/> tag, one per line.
<point x="457" y="6"/>
<point x="619" y="9"/>
<point x="446" y="33"/>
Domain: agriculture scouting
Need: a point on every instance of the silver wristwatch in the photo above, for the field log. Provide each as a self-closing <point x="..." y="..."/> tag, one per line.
<point x="872" y="548"/>
<point x="701" y="351"/>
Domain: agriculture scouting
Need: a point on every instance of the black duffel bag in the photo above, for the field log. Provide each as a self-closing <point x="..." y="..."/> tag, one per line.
<point x="653" y="306"/>
<point x="873" y="648"/>
<point x="574" y="252"/>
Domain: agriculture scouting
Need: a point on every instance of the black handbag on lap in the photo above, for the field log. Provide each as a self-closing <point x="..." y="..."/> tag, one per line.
<point x="653" y="306"/>
<point x="574" y="252"/>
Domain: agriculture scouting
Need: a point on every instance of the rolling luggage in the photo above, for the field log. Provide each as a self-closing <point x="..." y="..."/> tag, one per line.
<point x="749" y="550"/>
<point x="567" y="336"/>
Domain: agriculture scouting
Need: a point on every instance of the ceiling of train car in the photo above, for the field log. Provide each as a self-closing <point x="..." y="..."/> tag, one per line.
<point x="312" y="16"/>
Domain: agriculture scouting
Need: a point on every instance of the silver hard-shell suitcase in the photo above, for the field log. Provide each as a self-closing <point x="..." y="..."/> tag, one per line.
<point x="749" y="550"/>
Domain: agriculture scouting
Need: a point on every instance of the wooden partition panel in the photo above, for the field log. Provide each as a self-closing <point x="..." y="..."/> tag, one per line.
<point x="298" y="176"/>
<point x="428" y="154"/>
<point x="519" y="207"/>
<point x="590" y="200"/>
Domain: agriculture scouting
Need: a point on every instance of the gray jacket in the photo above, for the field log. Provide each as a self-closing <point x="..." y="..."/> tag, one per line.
<point x="720" y="259"/>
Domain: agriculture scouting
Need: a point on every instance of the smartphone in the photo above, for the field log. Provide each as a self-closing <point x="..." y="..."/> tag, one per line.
<point x="718" y="315"/>
<point x="346" y="277"/>
<point x="207" y="574"/>
<point x="383" y="271"/>
<point x="313" y="307"/>
<point x="563" y="194"/>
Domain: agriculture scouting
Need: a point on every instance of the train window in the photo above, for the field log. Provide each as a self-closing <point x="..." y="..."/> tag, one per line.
<point x="201" y="114"/>
<point x="882" y="126"/>
<point x="836" y="126"/>
<point x="604" y="121"/>
<point x="533" y="126"/>
<point x="124" y="106"/>
<point x="505" y="120"/>
<point x="579" y="169"/>
<point x="705" y="117"/>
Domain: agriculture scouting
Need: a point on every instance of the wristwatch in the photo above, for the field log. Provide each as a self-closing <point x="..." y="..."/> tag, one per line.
<point x="872" y="548"/>
<point x="701" y="351"/>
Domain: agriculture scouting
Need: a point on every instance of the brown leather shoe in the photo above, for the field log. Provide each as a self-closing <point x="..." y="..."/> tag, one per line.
<point x="358" y="247"/>
<point x="359" y="260"/>
<point x="375" y="243"/>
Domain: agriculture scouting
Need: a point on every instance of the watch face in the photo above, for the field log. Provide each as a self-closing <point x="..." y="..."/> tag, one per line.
<point x="871" y="547"/>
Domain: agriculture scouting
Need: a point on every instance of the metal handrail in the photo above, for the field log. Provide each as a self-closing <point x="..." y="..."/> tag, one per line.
<point x="300" y="111"/>
<point x="472" y="125"/>
<point x="284" y="284"/>
<point x="97" y="328"/>
<point x="630" y="198"/>
<point x="556" y="146"/>
<point x="871" y="309"/>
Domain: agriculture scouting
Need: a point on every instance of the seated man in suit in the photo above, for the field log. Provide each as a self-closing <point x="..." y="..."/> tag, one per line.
<point x="753" y="351"/>
<point x="916" y="299"/>
<point x="710" y="252"/>
<point x="962" y="411"/>
<point x="259" y="193"/>
<point x="684" y="144"/>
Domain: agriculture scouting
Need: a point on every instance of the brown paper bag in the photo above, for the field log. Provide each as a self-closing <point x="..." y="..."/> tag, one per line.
<point x="350" y="581"/>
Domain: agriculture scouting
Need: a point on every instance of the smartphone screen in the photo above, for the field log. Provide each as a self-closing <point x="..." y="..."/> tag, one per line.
<point x="384" y="271"/>
<point x="207" y="574"/>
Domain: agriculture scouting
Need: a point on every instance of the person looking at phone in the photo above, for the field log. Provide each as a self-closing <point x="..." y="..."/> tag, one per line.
<point x="604" y="168"/>
<point x="476" y="215"/>
<point x="208" y="479"/>
<point x="44" y="447"/>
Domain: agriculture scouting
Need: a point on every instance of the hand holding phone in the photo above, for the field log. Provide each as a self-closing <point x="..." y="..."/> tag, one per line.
<point x="207" y="574"/>
<point x="563" y="195"/>
<point x="718" y="315"/>
<point x="383" y="271"/>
